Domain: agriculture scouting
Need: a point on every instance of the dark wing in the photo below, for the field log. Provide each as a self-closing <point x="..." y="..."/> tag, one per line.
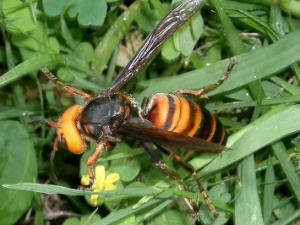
<point x="145" y="132"/>
<point x="168" y="25"/>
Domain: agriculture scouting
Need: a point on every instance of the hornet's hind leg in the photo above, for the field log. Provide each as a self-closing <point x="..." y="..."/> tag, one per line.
<point x="200" y="92"/>
<point x="172" y="174"/>
<point x="190" y="169"/>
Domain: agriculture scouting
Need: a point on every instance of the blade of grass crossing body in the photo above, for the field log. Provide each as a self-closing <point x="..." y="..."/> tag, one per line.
<point x="247" y="205"/>
<point x="288" y="168"/>
<point x="268" y="194"/>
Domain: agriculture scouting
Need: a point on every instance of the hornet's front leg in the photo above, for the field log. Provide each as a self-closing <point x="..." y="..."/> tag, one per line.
<point x="92" y="159"/>
<point x="68" y="88"/>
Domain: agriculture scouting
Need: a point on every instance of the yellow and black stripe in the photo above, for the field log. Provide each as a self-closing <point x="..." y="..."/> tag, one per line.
<point x="180" y="115"/>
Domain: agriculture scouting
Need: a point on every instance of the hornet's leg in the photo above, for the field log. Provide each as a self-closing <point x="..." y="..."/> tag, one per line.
<point x="200" y="92"/>
<point x="189" y="168"/>
<point x="171" y="173"/>
<point x="92" y="159"/>
<point x="71" y="89"/>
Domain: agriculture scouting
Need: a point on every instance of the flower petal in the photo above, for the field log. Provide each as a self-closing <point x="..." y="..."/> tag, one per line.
<point x="100" y="173"/>
<point x="110" y="180"/>
<point x="85" y="179"/>
<point x="94" y="200"/>
<point x="99" y="178"/>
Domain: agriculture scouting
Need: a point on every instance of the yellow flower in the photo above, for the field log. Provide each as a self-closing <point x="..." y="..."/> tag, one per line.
<point x="101" y="183"/>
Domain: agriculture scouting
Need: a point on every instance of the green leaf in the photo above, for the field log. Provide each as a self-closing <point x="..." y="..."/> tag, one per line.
<point x="171" y="217"/>
<point x="146" y="17"/>
<point x="128" y="169"/>
<point x="18" y="16"/>
<point x="189" y="34"/>
<point x="72" y="221"/>
<point x="64" y="74"/>
<point x="36" y="41"/>
<point x="168" y="51"/>
<point x="53" y="7"/>
<point x="219" y="194"/>
<point x="129" y="220"/>
<point x="71" y="34"/>
<point x="89" y="12"/>
<point x="184" y="39"/>
<point x="90" y="218"/>
<point x="84" y="51"/>
<point x="18" y="164"/>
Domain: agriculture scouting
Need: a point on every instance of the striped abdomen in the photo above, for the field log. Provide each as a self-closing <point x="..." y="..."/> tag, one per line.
<point x="177" y="114"/>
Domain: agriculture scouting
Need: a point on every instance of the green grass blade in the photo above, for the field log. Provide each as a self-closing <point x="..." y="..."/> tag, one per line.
<point x="269" y="189"/>
<point x="247" y="205"/>
<point x="288" y="168"/>
<point x="234" y="38"/>
<point x="272" y="126"/>
<point x="250" y="67"/>
<point x="31" y="65"/>
<point x="122" y="213"/>
<point x="288" y="219"/>
<point x="55" y="189"/>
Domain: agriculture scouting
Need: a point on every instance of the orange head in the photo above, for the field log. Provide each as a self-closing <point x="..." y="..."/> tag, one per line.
<point x="68" y="134"/>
